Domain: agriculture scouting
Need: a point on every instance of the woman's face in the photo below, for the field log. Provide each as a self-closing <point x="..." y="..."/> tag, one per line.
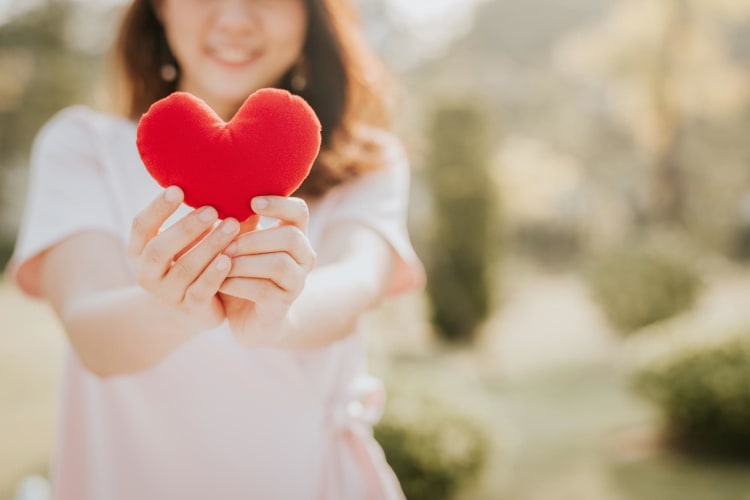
<point x="227" y="49"/>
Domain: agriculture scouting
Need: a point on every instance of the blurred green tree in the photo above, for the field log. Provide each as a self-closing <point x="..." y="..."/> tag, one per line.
<point x="41" y="72"/>
<point x="460" y="249"/>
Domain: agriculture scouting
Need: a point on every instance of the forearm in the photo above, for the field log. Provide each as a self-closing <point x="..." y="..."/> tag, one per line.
<point x="331" y="303"/>
<point x="123" y="330"/>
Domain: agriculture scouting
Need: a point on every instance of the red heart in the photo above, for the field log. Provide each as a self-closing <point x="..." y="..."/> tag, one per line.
<point x="267" y="148"/>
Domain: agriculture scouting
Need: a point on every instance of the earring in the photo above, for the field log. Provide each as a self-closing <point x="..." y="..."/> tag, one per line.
<point x="168" y="70"/>
<point x="298" y="79"/>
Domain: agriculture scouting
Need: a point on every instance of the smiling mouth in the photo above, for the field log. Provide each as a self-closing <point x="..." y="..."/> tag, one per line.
<point x="233" y="57"/>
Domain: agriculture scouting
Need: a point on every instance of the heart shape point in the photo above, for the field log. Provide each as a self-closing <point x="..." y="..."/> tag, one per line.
<point x="267" y="148"/>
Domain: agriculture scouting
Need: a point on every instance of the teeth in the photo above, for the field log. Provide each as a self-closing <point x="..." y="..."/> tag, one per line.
<point x="233" y="55"/>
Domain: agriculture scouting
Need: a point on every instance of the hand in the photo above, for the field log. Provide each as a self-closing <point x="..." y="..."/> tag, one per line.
<point x="183" y="265"/>
<point x="269" y="268"/>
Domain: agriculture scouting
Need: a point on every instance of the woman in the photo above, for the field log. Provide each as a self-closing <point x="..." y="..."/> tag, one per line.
<point x="213" y="359"/>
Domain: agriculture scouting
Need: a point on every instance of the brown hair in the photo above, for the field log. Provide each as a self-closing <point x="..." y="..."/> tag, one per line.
<point x="346" y="85"/>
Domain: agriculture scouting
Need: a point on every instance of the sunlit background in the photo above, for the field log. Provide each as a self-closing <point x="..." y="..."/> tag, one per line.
<point x="581" y="199"/>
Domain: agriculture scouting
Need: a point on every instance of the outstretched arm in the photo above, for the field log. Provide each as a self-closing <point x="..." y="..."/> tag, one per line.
<point x="351" y="280"/>
<point x="276" y="296"/>
<point x="117" y="325"/>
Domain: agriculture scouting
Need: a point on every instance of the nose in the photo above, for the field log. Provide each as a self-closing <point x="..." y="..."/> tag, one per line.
<point x="237" y="16"/>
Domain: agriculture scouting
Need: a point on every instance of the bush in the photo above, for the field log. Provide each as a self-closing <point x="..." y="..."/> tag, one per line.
<point x="640" y="286"/>
<point x="553" y="244"/>
<point x="435" y="448"/>
<point x="6" y="252"/>
<point x="705" y="397"/>
<point x="460" y="250"/>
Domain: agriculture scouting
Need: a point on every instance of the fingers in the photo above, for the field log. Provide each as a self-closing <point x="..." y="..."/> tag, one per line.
<point x="257" y="290"/>
<point x="289" y="239"/>
<point x="162" y="249"/>
<point x="208" y="283"/>
<point x="191" y="265"/>
<point x="147" y="223"/>
<point x="290" y="211"/>
<point x="193" y="243"/>
<point x="278" y="268"/>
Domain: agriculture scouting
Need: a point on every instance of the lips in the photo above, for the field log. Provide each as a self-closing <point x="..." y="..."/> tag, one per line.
<point x="233" y="56"/>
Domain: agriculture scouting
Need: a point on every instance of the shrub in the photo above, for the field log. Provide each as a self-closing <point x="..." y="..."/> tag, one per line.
<point x="459" y="253"/>
<point x="553" y="244"/>
<point x="705" y="397"/>
<point x="6" y="252"/>
<point x="640" y="286"/>
<point x="435" y="448"/>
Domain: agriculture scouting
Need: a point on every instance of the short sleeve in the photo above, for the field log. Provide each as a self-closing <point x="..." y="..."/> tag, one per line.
<point x="67" y="192"/>
<point x="380" y="200"/>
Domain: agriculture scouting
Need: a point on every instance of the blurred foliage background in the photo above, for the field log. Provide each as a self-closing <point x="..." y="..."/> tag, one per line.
<point x="581" y="198"/>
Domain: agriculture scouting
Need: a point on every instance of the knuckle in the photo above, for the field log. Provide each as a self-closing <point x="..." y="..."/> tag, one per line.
<point x="283" y="265"/>
<point x="183" y="270"/>
<point x="298" y="243"/>
<point x="212" y="276"/>
<point x="139" y="225"/>
<point x="154" y="254"/>
<point x="260" y="290"/>
<point x="293" y="238"/>
<point x="300" y="239"/>
<point x="267" y="291"/>
<point x="194" y="295"/>
<point x="301" y="206"/>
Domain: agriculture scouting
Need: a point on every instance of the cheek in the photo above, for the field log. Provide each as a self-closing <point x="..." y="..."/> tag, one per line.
<point x="290" y="27"/>
<point x="177" y="28"/>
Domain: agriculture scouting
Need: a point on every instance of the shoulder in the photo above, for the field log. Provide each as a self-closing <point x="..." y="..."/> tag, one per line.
<point x="387" y="181"/>
<point x="388" y="144"/>
<point x="392" y="163"/>
<point x="78" y="122"/>
<point x="74" y="131"/>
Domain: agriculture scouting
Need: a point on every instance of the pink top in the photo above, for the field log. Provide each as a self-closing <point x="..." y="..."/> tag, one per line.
<point x="212" y="420"/>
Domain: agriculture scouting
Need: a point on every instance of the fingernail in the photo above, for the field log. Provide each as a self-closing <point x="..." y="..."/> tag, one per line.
<point x="260" y="203"/>
<point x="172" y="194"/>
<point x="230" y="225"/>
<point x="223" y="262"/>
<point x="207" y="214"/>
<point x="231" y="249"/>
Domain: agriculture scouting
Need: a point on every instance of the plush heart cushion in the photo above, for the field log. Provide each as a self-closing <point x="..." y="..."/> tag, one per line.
<point x="267" y="148"/>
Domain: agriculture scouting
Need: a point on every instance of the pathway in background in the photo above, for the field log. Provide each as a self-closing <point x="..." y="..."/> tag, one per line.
<point x="547" y="321"/>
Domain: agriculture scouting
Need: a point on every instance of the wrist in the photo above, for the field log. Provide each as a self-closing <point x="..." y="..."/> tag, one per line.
<point x="288" y="331"/>
<point x="189" y="322"/>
